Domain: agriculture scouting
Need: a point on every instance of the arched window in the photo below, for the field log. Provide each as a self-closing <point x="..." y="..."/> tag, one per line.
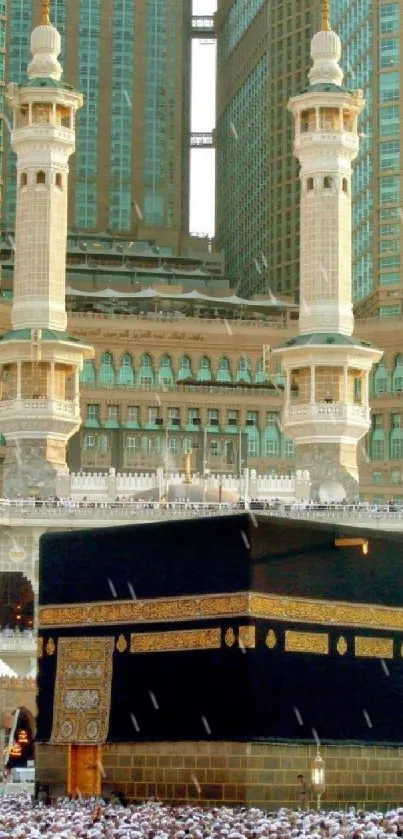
<point x="260" y="375"/>
<point x="272" y="436"/>
<point x="397" y="376"/>
<point x="88" y="374"/>
<point x="327" y="182"/>
<point x="345" y="185"/>
<point x="204" y="371"/>
<point x="380" y="378"/>
<point x="224" y="371"/>
<point x="146" y="445"/>
<point x="103" y="443"/>
<point x="131" y="443"/>
<point x="89" y="442"/>
<point x="243" y="373"/>
<point x="106" y="374"/>
<point x="59" y="180"/>
<point x="185" y="369"/>
<point x="41" y="177"/>
<point x="173" y="445"/>
<point x="309" y="184"/>
<point x="145" y="376"/>
<point x="165" y="374"/>
<point x="23" y="179"/>
<point x="187" y="444"/>
<point x="229" y="452"/>
<point x="396" y="476"/>
<point x="126" y="372"/>
<point x="215" y="447"/>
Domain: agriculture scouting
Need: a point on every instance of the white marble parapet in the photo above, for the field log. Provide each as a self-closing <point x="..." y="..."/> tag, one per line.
<point x="19" y="643"/>
<point x="39" y="406"/>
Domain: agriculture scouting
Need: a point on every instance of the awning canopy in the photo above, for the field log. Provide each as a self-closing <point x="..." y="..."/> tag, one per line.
<point x="185" y="297"/>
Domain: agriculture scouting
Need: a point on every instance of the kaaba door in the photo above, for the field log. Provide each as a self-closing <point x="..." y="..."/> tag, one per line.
<point x="84" y="770"/>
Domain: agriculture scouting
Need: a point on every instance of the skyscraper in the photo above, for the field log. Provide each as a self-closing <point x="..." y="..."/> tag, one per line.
<point x="371" y="33"/>
<point x="132" y="61"/>
<point x="262" y="60"/>
<point x="3" y="19"/>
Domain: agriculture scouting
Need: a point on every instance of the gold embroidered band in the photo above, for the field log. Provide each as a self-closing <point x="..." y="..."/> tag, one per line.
<point x="178" y="640"/>
<point x="307" y="642"/>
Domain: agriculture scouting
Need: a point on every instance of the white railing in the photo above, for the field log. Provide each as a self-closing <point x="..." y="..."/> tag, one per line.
<point x="38" y="406"/>
<point x="109" y="486"/>
<point x="325" y="411"/>
<point x="17" y="642"/>
<point x="132" y="510"/>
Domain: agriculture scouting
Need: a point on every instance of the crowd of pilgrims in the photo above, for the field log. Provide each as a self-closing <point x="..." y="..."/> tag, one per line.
<point x="20" y="818"/>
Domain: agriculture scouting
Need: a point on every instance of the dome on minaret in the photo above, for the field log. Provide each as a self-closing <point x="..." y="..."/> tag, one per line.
<point x="326" y="53"/>
<point x="45" y="48"/>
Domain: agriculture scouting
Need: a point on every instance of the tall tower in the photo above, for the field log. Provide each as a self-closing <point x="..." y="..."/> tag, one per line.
<point x="326" y="404"/>
<point x="39" y="363"/>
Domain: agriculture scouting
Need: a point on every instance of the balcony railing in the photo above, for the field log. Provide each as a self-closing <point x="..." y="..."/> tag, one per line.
<point x="22" y="643"/>
<point x="325" y="411"/>
<point x="355" y="514"/>
<point x="39" y="406"/>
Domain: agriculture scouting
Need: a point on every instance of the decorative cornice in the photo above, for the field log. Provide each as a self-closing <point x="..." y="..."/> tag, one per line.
<point x="239" y="604"/>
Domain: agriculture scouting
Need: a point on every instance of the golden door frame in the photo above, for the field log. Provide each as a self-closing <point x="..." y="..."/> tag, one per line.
<point x="84" y="770"/>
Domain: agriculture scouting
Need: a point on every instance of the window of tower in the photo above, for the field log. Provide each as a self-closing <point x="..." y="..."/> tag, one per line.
<point x="309" y="184"/>
<point x="59" y="180"/>
<point x="345" y="185"/>
<point x="329" y="119"/>
<point x="348" y="121"/>
<point x="308" y="120"/>
<point x="41" y="177"/>
<point x="63" y="116"/>
<point x="23" y="179"/>
<point x="42" y="113"/>
<point x="327" y="182"/>
<point x="22" y="116"/>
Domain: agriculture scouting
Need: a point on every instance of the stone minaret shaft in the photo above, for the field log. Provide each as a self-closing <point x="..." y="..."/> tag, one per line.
<point x="326" y="403"/>
<point x="40" y="365"/>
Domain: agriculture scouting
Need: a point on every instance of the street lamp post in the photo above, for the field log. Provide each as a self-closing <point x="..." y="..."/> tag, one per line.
<point x="318" y="778"/>
<point x="159" y="422"/>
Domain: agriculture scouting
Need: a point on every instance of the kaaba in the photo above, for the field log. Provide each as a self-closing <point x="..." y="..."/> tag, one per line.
<point x="209" y="660"/>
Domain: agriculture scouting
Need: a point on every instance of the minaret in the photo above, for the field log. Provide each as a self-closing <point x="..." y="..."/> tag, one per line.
<point x="326" y="407"/>
<point x="40" y="364"/>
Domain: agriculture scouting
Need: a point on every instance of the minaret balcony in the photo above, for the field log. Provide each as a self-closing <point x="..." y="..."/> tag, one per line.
<point x="325" y="411"/>
<point x="41" y="407"/>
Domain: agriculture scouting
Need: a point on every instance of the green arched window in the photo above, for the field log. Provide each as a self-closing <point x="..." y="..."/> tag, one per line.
<point x="204" y="371"/>
<point x="260" y="376"/>
<point x="88" y="374"/>
<point x="272" y="437"/>
<point x="165" y="374"/>
<point x="126" y="371"/>
<point x="145" y="375"/>
<point x="106" y="374"/>
<point x="243" y="371"/>
<point x="224" y="371"/>
<point x="185" y="369"/>
<point x="380" y="378"/>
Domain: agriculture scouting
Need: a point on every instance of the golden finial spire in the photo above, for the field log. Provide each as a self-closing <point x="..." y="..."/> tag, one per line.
<point x="326" y="16"/>
<point x="45" y="12"/>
